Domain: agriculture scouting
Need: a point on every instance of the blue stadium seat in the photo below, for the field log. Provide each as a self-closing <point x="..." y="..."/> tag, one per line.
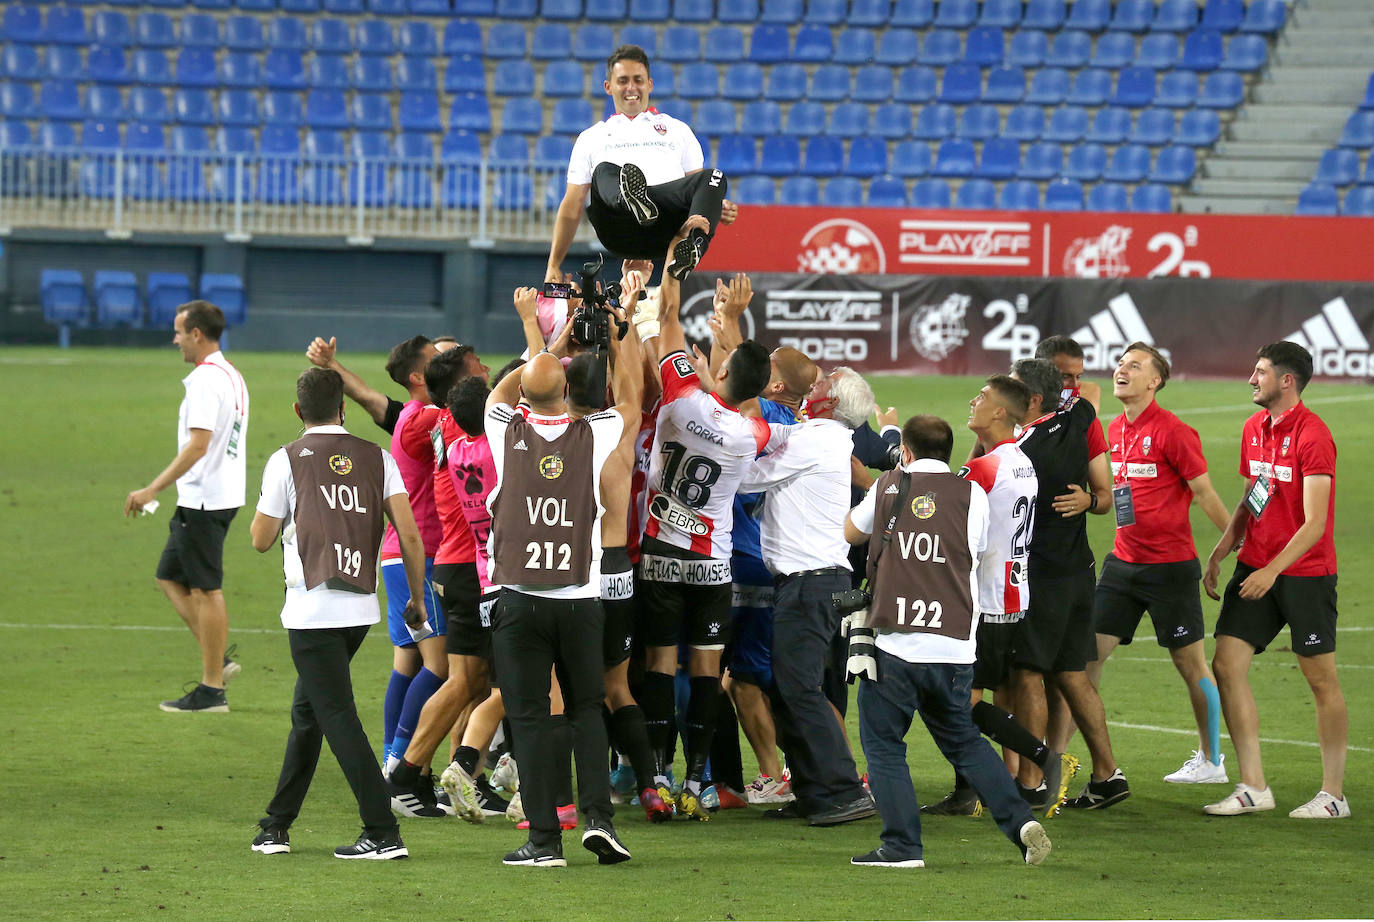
<point x="474" y="7"/>
<point x="1198" y="127"/>
<point x="62" y="62"/>
<point x="1135" y="87"/>
<point x="911" y="159"/>
<point x="525" y="116"/>
<point x="867" y="157"/>
<point x="1129" y="163"/>
<point x="1001" y="14"/>
<point x="1132" y="15"/>
<point x="415" y="74"/>
<point x="17" y="100"/>
<point x="459" y="186"/>
<point x="149" y="67"/>
<point x="1175" y="16"/>
<point x="886" y="192"/>
<point x="664" y="77"/>
<point x="956" y="14"/>
<point x="677" y="107"/>
<point x="1359" y="202"/>
<point x="240" y="69"/>
<point x="1070" y="49"/>
<point x="897" y="47"/>
<point x="825" y="12"/>
<point x="1318" y="199"/>
<point x="681" y="44"/>
<point x="552" y="41"/>
<point x="694" y="10"/>
<point x="287" y="33"/>
<point x="553" y="150"/>
<point x="753" y="190"/>
<point x="418" y="38"/>
<point x="561" y="9"/>
<point x="800" y="190"/>
<point x="999" y="159"/>
<point x="872" y="83"/>
<point x="243" y="33"/>
<point x="935" y="122"/>
<point x="1108" y="196"/>
<point x="781" y="156"/>
<point x="1177" y="90"/>
<point x="1114" y="50"/>
<point x="155" y="30"/>
<point x="1044" y="14"/>
<point x="517" y="9"/>
<point x="940" y="48"/>
<point x="149" y="104"/>
<point x="19" y="62"/>
<point x="606" y="10"/>
<point x="282" y="108"/>
<point x="193" y="107"/>
<point x="240" y="140"/>
<point x="760" y="118"/>
<point x="238" y="107"/>
<point x="1019" y="195"/>
<point x="768" y="44"/>
<point x="1089" y="15"/>
<point x="506" y="40"/>
<point x="1223" y="15"/>
<point x="786" y="83"/>
<point x="1067" y="125"/>
<point x="24" y="23"/>
<point x="954" y="157"/>
<point x="1024" y="123"/>
<point x="372" y="74"/>
<point x="144" y="178"/>
<point x="571" y="116"/>
<point x="330" y="71"/>
<point x="1158" y="50"/>
<point x="743" y="81"/>
<point x="322" y="143"/>
<point x="166" y="291"/>
<point x="805" y="119"/>
<point x="824" y="156"/>
<point x="379" y="7"/>
<point x="1222" y="90"/>
<point x="326" y="108"/>
<point x="101" y="134"/>
<point x="1154" y="127"/>
<point x="892" y="121"/>
<point x="278" y="181"/>
<point x="1049" y="87"/>
<point x="1338" y="166"/>
<point x="1090" y="87"/>
<point x="1110" y="125"/>
<point x="867" y="13"/>
<point x="1064" y="195"/>
<point x="66" y="25"/>
<point x="461" y="146"/>
<point x="62" y="294"/>
<point x="463" y="36"/>
<point x="593" y="42"/>
<point x="331" y="36"/>
<point x="985" y="46"/>
<point x="916" y="84"/>
<point x="737" y="155"/>
<point x="107" y="64"/>
<point x="283" y="69"/>
<point x="813" y="44"/>
<point x="343" y="7"/>
<point x="59" y="101"/>
<point x="287" y="6"/>
<point x="698" y="80"/>
<point x="1265" y="17"/>
<point x="510" y="149"/>
<point x="912" y="14"/>
<point x="514" y="77"/>
<point x="930" y="194"/>
<point x="724" y="45"/>
<point x="1359" y="130"/>
<point x="843" y="192"/>
<point x="976" y="195"/>
<point x="979" y="123"/>
<point x="1245" y="53"/>
<point x="375" y="37"/>
<point x="55" y="135"/>
<point x="1203" y="50"/>
<point x="1086" y="162"/>
<point x="716" y="117"/>
<point x="1027" y="49"/>
<point x="1006" y="85"/>
<point x="418" y="110"/>
<point x="117" y="302"/>
<point x="848" y="120"/>
<point x="225" y="290"/>
<point x="1041" y="160"/>
<point x="830" y="83"/>
<point x="737" y="11"/>
<point x="854" y="46"/>
<point x="109" y="27"/>
<point x="962" y="83"/>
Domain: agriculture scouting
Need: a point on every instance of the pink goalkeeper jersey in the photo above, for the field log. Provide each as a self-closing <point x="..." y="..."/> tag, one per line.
<point x="473" y="473"/>
<point x="1008" y="478"/>
<point x="414" y="454"/>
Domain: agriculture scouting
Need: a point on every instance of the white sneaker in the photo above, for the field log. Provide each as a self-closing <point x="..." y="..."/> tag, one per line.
<point x="506" y="775"/>
<point x="462" y="792"/>
<point x="1322" y="807"/>
<point x="1035" y="844"/>
<point x="516" y="811"/>
<point x="765" y="789"/>
<point x="1199" y="770"/>
<point x="1244" y="799"/>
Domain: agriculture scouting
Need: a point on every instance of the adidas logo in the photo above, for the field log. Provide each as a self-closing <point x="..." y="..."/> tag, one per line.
<point x="1337" y="345"/>
<point x="305" y="453"/>
<point x="520" y="446"/>
<point x="1107" y="333"/>
<point x="891" y="490"/>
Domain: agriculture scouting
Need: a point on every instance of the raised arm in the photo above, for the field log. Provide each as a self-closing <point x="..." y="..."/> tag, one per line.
<point x="731" y="302"/>
<point x="325" y="355"/>
<point x="565" y="229"/>
<point x="670" y="335"/>
<point x="527" y="306"/>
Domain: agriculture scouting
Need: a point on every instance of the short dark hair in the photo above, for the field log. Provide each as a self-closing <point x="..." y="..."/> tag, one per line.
<point x="1058" y="344"/>
<point x="1288" y="357"/>
<point x="467" y="402"/>
<point x="203" y="316"/>
<point x="1161" y="363"/>
<point x="444" y="371"/>
<point x="749" y="371"/>
<point x="320" y="393"/>
<point x="586" y="382"/>
<point x="506" y="369"/>
<point x="1040" y="377"/>
<point x="405" y="358"/>
<point x="627" y="53"/>
<point x="1015" y="395"/>
<point x="928" y="436"/>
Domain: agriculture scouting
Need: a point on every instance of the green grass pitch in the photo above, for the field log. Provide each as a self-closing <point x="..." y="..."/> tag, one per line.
<point x="112" y="809"/>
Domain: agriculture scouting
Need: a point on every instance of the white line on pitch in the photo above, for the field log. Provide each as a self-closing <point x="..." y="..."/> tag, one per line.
<point x="132" y="627"/>
<point x="1237" y="407"/>
<point x="1193" y="733"/>
<point x="1257" y="662"/>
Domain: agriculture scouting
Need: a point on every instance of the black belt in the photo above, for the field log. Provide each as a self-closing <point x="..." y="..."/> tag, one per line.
<point x="823" y="571"/>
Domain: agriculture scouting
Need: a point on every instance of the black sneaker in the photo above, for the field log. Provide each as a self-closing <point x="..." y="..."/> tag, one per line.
<point x="1099" y="795"/>
<point x="531" y="856"/>
<point x="881" y="859"/>
<point x="490" y="803"/>
<point x="1035" y="798"/>
<point x="600" y="839"/>
<point x="956" y="803"/>
<point x="686" y="255"/>
<point x="272" y="841"/>
<point x="417" y="800"/>
<point x="634" y="189"/>
<point x="202" y="698"/>
<point x="374" y="849"/>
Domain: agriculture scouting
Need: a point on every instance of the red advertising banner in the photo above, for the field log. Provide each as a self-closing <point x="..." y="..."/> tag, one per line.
<point x="891" y="241"/>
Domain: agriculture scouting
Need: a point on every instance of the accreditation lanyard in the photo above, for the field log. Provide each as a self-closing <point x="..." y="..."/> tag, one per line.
<point x="1123" y="504"/>
<point x="1265" y="485"/>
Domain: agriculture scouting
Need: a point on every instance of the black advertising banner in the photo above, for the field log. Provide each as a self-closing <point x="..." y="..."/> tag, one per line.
<point x="977" y="325"/>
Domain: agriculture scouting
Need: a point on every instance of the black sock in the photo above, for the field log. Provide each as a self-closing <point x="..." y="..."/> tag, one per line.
<point x="656" y="699"/>
<point x="727" y="766"/>
<point x="701" y="723"/>
<point x="962" y="785"/>
<point x="562" y="758"/>
<point x="630" y="736"/>
<point x="467" y="757"/>
<point x="1001" y="727"/>
<point x="405" y="774"/>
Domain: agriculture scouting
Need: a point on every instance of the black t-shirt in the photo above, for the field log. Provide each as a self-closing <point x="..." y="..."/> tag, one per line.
<point x="1058" y="448"/>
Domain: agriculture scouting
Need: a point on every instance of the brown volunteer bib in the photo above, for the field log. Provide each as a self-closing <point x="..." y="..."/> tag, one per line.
<point x="339" y="516"/>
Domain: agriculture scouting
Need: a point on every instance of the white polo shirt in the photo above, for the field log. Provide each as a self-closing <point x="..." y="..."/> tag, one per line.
<point x="217" y="400"/>
<point x="660" y="145"/>
<point x="319" y="607"/>
<point x="807" y="482"/>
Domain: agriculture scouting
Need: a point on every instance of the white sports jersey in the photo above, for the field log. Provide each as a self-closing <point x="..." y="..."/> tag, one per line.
<point x="216" y="400"/>
<point x="702" y="449"/>
<point x="1008" y="478"/>
<point x="660" y="145"/>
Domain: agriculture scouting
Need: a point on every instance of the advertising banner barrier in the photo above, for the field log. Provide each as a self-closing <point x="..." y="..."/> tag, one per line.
<point x="963" y="325"/>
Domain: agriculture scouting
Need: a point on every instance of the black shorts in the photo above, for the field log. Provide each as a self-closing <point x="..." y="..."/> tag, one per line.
<point x="618" y="601"/>
<point x="1057" y="633"/>
<point x="460" y="593"/>
<point x="993" y="663"/>
<point x="678" y="609"/>
<point x="1169" y="591"/>
<point x="194" y="553"/>
<point x="1307" y="604"/>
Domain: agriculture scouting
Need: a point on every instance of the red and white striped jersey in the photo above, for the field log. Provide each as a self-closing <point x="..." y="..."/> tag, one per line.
<point x="1008" y="478"/>
<point x="639" y="483"/>
<point x="702" y="449"/>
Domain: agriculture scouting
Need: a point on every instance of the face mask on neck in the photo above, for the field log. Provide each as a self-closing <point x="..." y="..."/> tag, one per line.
<point x="1066" y="396"/>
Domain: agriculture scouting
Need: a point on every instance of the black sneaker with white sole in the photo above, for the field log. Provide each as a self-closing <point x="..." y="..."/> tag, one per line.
<point x="686" y="255"/>
<point x="490" y="803"/>
<point x="383" y="848"/>
<point x="417" y="800"/>
<point x="202" y="699"/>
<point x="1035" y="798"/>
<point x="878" y="858"/>
<point x="600" y="839"/>
<point x="530" y="855"/>
<point x="634" y="189"/>
<point x="1099" y="795"/>
<point x="273" y="840"/>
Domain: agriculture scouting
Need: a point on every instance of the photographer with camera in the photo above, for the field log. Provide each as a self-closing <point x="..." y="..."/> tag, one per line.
<point x="912" y="641"/>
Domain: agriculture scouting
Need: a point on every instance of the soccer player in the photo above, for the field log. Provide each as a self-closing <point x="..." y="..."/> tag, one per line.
<point x="210" y="469"/>
<point x="1157" y="471"/>
<point x="643" y="169"/>
<point x="1285" y="574"/>
<point x="1067" y="356"/>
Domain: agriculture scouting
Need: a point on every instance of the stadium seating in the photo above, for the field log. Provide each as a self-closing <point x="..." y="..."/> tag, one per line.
<point x="165" y="292"/>
<point x="117" y="301"/>
<point x="62" y="292"/>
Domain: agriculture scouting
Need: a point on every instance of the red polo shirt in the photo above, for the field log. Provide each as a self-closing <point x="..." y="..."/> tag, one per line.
<point x="1157" y="455"/>
<point x="1298" y="445"/>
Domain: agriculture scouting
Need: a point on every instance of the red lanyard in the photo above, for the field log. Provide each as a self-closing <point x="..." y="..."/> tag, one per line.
<point x="1126" y="455"/>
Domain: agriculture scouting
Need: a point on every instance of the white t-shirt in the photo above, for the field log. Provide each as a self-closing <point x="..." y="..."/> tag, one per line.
<point x="319" y="607"/>
<point x="660" y="145"/>
<point x="1008" y="477"/>
<point x="217" y="400"/>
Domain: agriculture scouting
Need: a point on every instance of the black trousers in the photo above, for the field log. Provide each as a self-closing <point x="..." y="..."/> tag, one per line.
<point x="323" y="708"/>
<point x="701" y="193"/>
<point x="533" y="635"/>
<point x="804" y="622"/>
